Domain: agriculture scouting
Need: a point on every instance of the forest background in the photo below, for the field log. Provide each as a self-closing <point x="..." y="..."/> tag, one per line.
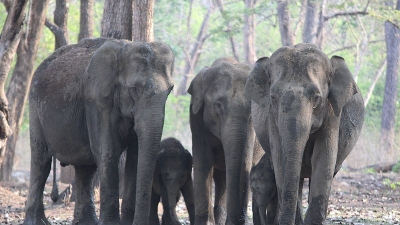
<point x="200" y="31"/>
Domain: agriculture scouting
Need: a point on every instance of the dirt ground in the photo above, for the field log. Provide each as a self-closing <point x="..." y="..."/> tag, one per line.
<point x="356" y="198"/>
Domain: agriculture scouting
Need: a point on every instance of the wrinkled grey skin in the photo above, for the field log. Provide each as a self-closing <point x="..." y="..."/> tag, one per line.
<point x="222" y="138"/>
<point x="308" y="115"/>
<point x="173" y="175"/>
<point x="88" y="103"/>
<point x="263" y="188"/>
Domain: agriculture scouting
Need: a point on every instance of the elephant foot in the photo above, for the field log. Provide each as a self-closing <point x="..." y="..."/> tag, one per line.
<point x="87" y="220"/>
<point x="235" y="221"/>
<point x="109" y="223"/>
<point x="203" y="220"/>
<point x="219" y="215"/>
<point x="39" y="220"/>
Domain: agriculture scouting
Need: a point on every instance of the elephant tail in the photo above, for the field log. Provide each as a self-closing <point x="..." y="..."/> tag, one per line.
<point x="54" y="191"/>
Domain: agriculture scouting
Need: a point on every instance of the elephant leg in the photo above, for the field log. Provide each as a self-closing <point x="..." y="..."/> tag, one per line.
<point x="272" y="208"/>
<point x="257" y="211"/>
<point x="220" y="196"/>
<point x="299" y="212"/>
<point x="129" y="194"/>
<point x="323" y="167"/>
<point x="188" y="196"/>
<point x="84" y="212"/>
<point x="40" y="169"/>
<point x="202" y="193"/>
<point x="155" y="199"/>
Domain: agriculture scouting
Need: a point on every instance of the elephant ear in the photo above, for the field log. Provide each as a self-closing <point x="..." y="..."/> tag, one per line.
<point x="189" y="158"/>
<point x="258" y="85"/>
<point x="103" y="68"/>
<point x="342" y="85"/>
<point x="196" y="90"/>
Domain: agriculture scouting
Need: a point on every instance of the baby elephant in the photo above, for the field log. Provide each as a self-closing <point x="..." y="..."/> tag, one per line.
<point x="173" y="174"/>
<point x="265" y="197"/>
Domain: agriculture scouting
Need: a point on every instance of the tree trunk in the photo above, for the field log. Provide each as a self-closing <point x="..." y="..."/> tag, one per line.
<point x="310" y="21"/>
<point x="117" y="19"/>
<point x="21" y="79"/>
<point x="284" y="23"/>
<point x="229" y="29"/>
<point x="392" y="36"/>
<point x="86" y="19"/>
<point x="142" y="26"/>
<point x="9" y="40"/>
<point x="249" y="34"/>
<point x="193" y="58"/>
<point x="61" y="20"/>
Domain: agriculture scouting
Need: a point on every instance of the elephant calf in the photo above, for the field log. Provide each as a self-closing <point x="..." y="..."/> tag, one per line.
<point x="173" y="175"/>
<point x="262" y="181"/>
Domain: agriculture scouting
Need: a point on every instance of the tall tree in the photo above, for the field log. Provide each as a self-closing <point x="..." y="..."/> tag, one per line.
<point x="249" y="33"/>
<point x="21" y="79"/>
<point x="117" y="19"/>
<point x="392" y="38"/>
<point x="9" y="40"/>
<point x="310" y="21"/>
<point x="284" y="23"/>
<point x="143" y="20"/>
<point x="86" y="19"/>
<point x="193" y="57"/>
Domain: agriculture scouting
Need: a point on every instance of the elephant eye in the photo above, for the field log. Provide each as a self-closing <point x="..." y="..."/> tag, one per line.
<point x="274" y="98"/>
<point x="218" y="107"/>
<point x="316" y="100"/>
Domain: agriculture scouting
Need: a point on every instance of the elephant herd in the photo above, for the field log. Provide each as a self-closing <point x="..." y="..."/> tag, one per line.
<point x="266" y="127"/>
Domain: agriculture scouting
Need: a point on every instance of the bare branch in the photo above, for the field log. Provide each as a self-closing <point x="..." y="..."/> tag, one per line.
<point x="57" y="31"/>
<point x="326" y="18"/>
<point x="352" y="46"/>
<point x="372" y="87"/>
<point x="7" y="4"/>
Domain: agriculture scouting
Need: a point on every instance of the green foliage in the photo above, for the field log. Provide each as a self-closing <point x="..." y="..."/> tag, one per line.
<point x="370" y="170"/>
<point x="391" y="184"/>
<point x="3" y="16"/>
<point x="396" y="168"/>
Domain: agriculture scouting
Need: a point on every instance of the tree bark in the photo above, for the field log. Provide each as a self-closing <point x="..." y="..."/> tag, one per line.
<point x="249" y="34"/>
<point x="21" y="79"/>
<point x="192" y="59"/>
<point x="311" y="18"/>
<point x="372" y="87"/>
<point x="142" y="26"/>
<point x="231" y="40"/>
<point x="61" y="20"/>
<point x="392" y="37"/>
<point x="9" y="40"/>
<point x="284" y="23"/>
<point x="86" y="19"/>
<point x="117" y="19"/>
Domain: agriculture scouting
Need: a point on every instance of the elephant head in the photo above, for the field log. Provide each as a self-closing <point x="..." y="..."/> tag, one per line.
<point x="301" y="91"/>
<point x="128" y="85"/>
<point x="174" y="168"/>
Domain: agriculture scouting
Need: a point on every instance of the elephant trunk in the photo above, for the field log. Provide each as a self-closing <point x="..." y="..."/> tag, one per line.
<point x="238" y="142"/>
<point x="148" y="126"/>
<point x="173" y="195"/>
<point x="294" y="132"/>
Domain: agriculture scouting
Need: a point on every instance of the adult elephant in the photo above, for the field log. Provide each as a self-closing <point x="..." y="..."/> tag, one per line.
<point x="88" y="103"/>
<point x="308" y="115"/>
<point x="223" y="139"/>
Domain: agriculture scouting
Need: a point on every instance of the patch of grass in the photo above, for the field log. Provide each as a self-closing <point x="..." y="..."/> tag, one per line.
<point x="391" y="184"/>
<point x="396" y="168"/>
<point x="370" y="170"/>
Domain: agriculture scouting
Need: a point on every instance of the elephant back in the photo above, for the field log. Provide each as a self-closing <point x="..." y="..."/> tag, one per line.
<point x="64" y="69"/>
